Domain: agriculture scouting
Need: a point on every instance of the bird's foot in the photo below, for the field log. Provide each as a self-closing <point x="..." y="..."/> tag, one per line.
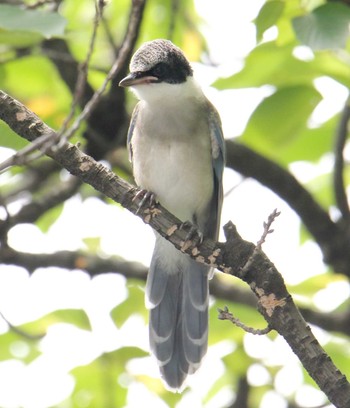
<point x="148" y="199"/>
<point x="193" y="237"/>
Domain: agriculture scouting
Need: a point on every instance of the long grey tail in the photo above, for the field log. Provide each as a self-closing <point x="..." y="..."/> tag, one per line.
<point x="178" y="296"/>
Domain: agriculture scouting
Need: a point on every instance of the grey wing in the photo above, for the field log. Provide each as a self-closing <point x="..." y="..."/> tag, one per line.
<point x="131" y="129"/>
<point x="211" y="227"/>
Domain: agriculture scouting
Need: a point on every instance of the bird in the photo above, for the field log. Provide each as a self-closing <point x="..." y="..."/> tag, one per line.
<point x="177" y="150"/>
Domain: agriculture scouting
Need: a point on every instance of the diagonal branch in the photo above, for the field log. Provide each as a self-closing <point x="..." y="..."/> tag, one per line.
<point x="274" y="301"/>
<point x="338" y="175"/>
<point x="284" y="184"/>
<point x="332" y="240"/>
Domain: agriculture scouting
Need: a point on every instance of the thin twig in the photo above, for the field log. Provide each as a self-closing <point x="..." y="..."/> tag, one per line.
<point x="267" y="227"/>
<point x="34" y="209"/>
<point x="235" y="186"/>
<point x="109" y="36"/>
<point x="338" y="175"/>
<point x="279" y="310"/>
<point x="136" y="14"/>
<point x="267" y="230"/>
<point x="40" y="3"/>
<point x="21" y="157"/>
<point x="24" y="156"/>
<point x="35" y="177"/>
<point x="225" y="314"/>
<point x="46" y="142"/>
<point x="316" y="219"/>
<point x="83" y="68"/>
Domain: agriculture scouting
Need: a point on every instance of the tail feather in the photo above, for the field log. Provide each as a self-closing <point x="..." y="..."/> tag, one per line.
<point x="156" y="283"/>
<point x="162" y="322"/>
<point x="177" y="292"/>
<point x="196" y="302"/>
<point x="198" y="286"/>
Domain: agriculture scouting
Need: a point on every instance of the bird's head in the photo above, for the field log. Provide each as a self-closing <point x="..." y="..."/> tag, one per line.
<point x="155" y="69"/>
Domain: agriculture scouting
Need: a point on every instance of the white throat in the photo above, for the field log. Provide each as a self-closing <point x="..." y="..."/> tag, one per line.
<point x="163" y="92"/>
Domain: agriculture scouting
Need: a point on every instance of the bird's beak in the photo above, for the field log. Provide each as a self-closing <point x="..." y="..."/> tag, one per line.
<point x="136" y="78"/>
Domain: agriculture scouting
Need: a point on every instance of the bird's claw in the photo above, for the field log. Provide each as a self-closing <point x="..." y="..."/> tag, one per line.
<point x="148" y="199"/>
<point x="193" y="237"/>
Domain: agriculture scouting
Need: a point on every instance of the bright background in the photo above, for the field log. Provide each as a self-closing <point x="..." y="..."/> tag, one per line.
<point x="51" y="371"/>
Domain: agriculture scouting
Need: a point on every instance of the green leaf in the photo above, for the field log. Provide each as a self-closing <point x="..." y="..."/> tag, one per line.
<point x="321" y="188"/>
<point x="268" y="16"/>
<point x="134" y="303"/>
<point x="13" y="18"/>
<point x="310" y="286"/>
<point x="280" y="118"/>
<point x="76" y="317"/>
<point x="19" y="39"/>
<point x="49" y="217"/>
<point x="10" y="139"/>
<point x="222" y="382"/>
<point x="91" y="380"/>
<point x="338" y="350"/>
<point x="239" y="361"/>
<point x="11" y="341"/>
<point x="93" y="244"/>
<point x="270" y="64"/>
<point x="304" y="234"/>
<point x="311" y="144"/>
<point x="286" y="34"/>
<point x="326" y="27"/>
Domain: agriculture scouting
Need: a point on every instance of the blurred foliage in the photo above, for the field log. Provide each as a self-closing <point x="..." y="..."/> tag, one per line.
<point x="298" y="42"/>
<point x="30" y="24"/>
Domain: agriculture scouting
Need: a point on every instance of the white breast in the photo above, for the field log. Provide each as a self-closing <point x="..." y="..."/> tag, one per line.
<point x="172" y="156"/>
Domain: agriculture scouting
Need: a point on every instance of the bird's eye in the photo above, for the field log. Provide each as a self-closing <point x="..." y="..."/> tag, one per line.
<point x="160" y="70"/>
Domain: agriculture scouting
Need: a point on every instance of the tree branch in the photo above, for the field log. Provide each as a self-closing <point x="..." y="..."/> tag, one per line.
<point x="92" y="264"/>
<point x="80" y="86"/>
<point x="274" y="301"/>
<point x="95" y="265"/>
<point x="279" y="310"/>
<point x="338" y="176"/>
<point x="35" y="177"/>
<point x="242" y="394"/>
<point x="332" y="239"/>
<point x="56" y="49"/>
<point x="104" y="113"/>
<point x="36" y="208"/>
